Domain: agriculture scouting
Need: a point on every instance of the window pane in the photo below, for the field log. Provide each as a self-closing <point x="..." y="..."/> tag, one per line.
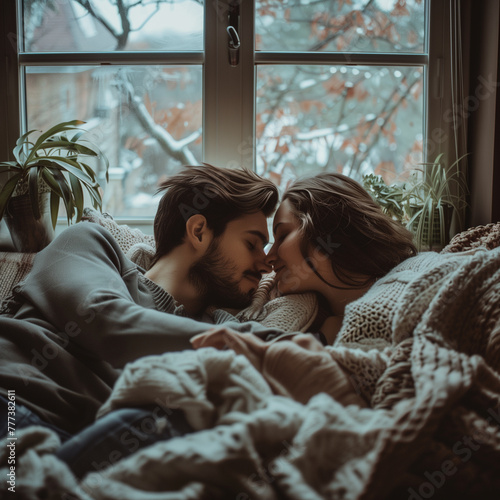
<point x="107" y="25"/>
<point x="146" y="119"/>
<point x="352" y="120"/>
<point x="340" y="25"/>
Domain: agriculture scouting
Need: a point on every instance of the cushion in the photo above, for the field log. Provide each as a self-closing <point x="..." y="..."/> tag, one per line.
<point x="137" y="246"/>
<point x="487" y="236"/>
<point x="14" y="267"/>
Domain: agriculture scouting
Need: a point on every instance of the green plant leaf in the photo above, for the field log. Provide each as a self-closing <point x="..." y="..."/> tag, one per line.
<point x="442" y="225"/>
<point x="6" y="192"/>
<point x="56" y="129"/>
<point x="96" y="196"/>
<point x="76" y="136"/>
<point x="70" y="166"/>
<point x="104" y="159"/>
<point x="57" y="144"/>
<point x="65" y="191"/>
<point x="51" y="182"/>
<point x="54" y="207"/>
<point x="21" y="143"/>
<point x="77" y="195"/>
<point x="68" y="146"/>
<point x="6" y="167"/>
<point x="90" y="171"/>
<point x="87" y="147"/>
<point x="33" y="192"/>
<point x="22" y="139"/>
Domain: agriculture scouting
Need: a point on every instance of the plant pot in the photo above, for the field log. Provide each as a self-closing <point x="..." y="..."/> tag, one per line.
<point x="437" y="240"/>
<point x="27" y="233"/>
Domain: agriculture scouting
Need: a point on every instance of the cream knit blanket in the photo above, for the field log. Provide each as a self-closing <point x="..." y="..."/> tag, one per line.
<point x="423" y="346"/>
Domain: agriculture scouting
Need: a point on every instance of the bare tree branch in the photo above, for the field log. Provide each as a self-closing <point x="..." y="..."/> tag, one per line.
<point x="376" y="136"/>
<point x="176" y="149"/>
<point x="331" y="152"/>
<point x="323" y="43"/>
<point x="87" y="5"/>
<point x="123" y="11"/>
<point x="147" y="18"/>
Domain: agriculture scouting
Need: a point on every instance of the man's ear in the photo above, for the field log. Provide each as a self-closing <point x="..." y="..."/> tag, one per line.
<point x="198" y="234"/>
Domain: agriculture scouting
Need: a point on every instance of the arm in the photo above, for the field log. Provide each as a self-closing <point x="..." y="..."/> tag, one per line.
<point x="294" y="365"/>
<point x="85" y="287"/>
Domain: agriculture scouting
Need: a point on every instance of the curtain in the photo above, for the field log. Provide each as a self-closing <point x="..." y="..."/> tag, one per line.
<point x="480" y="103"/>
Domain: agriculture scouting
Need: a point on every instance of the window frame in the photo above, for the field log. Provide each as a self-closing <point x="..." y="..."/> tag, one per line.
<point x="228" y="92"/>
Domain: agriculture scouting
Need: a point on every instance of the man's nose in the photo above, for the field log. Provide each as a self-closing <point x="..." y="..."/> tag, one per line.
<point x="264" y="265"/>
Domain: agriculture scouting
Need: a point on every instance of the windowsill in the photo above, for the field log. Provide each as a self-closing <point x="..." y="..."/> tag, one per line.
<point x="145" y="225"/>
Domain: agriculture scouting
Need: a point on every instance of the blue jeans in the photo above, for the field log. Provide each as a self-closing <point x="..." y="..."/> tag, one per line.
<point x="119" y="434"/>
<point x="24" y="417"/>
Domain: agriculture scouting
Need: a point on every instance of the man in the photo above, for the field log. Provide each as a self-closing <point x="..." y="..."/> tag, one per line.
<point x="85" y="310"/>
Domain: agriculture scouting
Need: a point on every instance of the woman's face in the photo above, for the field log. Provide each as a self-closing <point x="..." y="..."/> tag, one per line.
<point x="293" y="274"/>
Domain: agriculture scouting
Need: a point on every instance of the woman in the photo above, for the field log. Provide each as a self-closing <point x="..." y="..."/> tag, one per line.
<point x="330" y="237"/>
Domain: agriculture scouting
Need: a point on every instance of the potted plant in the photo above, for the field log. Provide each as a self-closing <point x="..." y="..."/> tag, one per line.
<point x="390" y="198"/>
<point x="46" y="170"/>
<point x="431" y="198"/>
<point x="427" y="202"/>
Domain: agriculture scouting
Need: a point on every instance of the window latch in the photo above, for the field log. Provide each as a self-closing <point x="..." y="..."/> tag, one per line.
<point x="232" y="32"/>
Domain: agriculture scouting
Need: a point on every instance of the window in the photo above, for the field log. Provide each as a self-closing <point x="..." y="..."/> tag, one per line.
<point x="358" y="108"/>
<point x="338" y="85"/>
<point x="135" y="71"/>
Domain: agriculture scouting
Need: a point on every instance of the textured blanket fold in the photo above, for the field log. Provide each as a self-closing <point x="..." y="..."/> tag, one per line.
<point x="423" y="346"/>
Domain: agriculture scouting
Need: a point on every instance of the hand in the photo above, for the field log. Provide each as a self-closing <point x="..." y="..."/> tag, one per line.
<point x="242" y="343"/>
<point x="304" y="340"/>
<point x="216" y="337"/>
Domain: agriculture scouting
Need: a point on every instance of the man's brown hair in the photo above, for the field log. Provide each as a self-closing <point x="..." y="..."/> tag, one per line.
<point x="219" y="194"/>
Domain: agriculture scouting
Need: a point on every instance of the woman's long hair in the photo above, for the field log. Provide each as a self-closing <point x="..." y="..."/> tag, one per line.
<point x="340" y="219"/>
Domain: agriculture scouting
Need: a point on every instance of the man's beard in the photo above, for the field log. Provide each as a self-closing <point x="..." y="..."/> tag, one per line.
<point x="213" y="276"/>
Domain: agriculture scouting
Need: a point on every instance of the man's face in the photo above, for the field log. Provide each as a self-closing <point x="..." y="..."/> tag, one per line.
<point x="229" y="272"/>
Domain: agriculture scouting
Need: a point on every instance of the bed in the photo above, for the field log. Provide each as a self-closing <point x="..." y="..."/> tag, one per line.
<point x="417" y="417"/>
